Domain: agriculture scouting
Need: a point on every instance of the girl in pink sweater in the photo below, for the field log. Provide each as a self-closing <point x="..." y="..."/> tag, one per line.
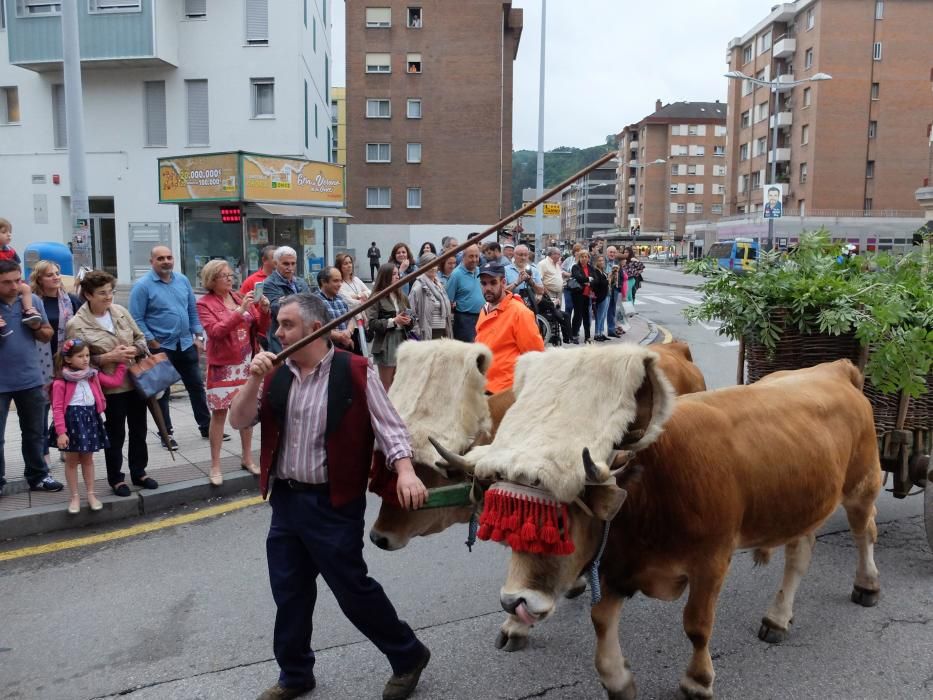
<point x="77" y="408"/>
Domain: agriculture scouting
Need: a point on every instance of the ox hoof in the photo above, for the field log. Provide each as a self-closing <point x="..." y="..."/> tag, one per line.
<point x="695" y="691"/>
<point x="865" y="597"/>
<point x="511" y="643"/>
<point x="771" y="633"/>
<point x="629" y="692"/>
<point x="578" y="590"/>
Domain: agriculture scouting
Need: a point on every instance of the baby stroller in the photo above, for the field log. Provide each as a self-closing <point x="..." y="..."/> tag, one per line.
<point x="548" y="316"/>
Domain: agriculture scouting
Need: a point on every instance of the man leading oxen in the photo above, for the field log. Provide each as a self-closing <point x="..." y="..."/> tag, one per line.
<point x="757" y="466"/>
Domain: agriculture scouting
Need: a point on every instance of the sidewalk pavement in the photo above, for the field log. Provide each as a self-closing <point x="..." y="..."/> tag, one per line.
<point x="184" y="480"/>
<point x="670" y="276"/>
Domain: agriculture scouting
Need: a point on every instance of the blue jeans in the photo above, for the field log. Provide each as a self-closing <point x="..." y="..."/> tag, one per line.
<point x="465" y="326"/>
<point x="186" y="362"/>
<point x="308" y="538"/>
<point x="611" y="311"/>
<point x="601" y="309"/>
<point x="30" y="408"/>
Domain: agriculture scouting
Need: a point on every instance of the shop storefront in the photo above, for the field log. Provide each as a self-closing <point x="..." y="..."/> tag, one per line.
<point x="232" y="205"/>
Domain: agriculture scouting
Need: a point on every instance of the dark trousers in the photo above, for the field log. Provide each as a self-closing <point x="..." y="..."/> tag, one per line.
<point x="373" y="269"/>
<point x="465" y="326"/>
<point x="581" y="316"/>
<point x="611" y="313"/>
<point x="186" y="362"/>
<point x="31" y="411"/>
<point x="309" y="537"/>
<point x="125" y="410"/>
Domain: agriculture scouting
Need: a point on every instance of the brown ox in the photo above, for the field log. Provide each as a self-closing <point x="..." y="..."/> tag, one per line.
<point x="676" y="362"/>
<point x="757" y="466"/>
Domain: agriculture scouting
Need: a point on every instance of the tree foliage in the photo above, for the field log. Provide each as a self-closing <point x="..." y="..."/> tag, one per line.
<point x="557" y="166"/>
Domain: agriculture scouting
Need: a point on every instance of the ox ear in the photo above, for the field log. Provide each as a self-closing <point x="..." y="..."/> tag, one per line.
<point x="654" y="401"/>
<point x="604" y="500"/>
<point x="482" y="356"/>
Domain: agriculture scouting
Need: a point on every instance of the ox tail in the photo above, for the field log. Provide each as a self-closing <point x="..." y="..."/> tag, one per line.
<point x="855" y="376"/>
<point x="761" y="556"/>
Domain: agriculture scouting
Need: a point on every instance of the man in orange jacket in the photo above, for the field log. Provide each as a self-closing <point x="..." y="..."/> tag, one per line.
<point x="506" y="326"/>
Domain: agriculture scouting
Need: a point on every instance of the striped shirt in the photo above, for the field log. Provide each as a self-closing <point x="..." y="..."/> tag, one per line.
<point x="335" y="307"/>
<point x="302" y="447"/>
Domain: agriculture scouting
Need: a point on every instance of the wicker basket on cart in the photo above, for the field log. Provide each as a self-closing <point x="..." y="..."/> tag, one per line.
<point x="919" y="410"/>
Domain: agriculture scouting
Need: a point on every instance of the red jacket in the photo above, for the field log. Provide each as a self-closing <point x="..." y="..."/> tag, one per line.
<point x="62" y="392"/>
<point x="229" y="333"/>
<point x="349" y="434"/>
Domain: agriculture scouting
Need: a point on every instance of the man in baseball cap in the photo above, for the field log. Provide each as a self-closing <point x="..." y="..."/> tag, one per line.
<point x="506" y="326"/>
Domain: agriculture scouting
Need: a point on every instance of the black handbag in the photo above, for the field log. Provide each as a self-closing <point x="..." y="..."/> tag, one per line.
<point x="153" y="374"/>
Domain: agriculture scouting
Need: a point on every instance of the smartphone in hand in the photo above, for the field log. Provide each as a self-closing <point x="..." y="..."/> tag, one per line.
<point x="257" y="291"/>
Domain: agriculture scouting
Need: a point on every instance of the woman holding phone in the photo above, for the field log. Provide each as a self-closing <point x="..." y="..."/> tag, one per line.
<point x="390" y="321"/>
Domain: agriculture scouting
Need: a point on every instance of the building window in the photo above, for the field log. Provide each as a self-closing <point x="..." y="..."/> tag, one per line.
<point x="803" y="173"/>
<point x="324" y="11"/>
<point x="674" y="189"/>
<point x="719" y="188"/>
<point x="747" y="87"/>
<point x="761" y="112"/>
<point x="807" y="96"/>
<point x="30" y="8"/>
<point x="257" y="22"/>
<point x="879" y="9"/>
<point x="413" y="109"/>
<point x="378" y="197"/>
<point x="876" y="91"/>
<point x="876" y="52"/>
<point x="314" y="33"/>
<point x="719" y="150"/>
<point x="715" y="209"/>
<point x="378" y="109"/>
<point x="307" y="130"/>
<point x="414" y="198"/>
<point x="802" y="207"/>
<point x="9" y="105"/>
<point x="378" y="17"/>
<point x="413" y="63"/>
<point x="719" y="170"/>
<point x="719" y="131"/>
<point x="691" y="170"/>
<point x="764" y="43"/>
<point x="2" y="14"/>
<point x="746" y="120"/>
<point x="105" y="6"/>
<point x="870" y="169"/>
<point x="414" y="18"/>
<point x="59" y="127"/>
<point x="747" y="53"/>
<point x="154" y="106"/>
<point x="198" y="116"/>
<point x="378" y="153"/>
<point x="414" y="153"/>
<point x="378" y="63"/>
<point x="681" y="208"/>
<point x="868" y="204"/>
<point x="756" y="179"/>
<point x="262" y="91"/>
<point x="805" y="135"/>
<point x="692" y="130"/>
<point x="808" y="59"/>
<point x="811" y="19"/>
<point x="691" y="189"/>
<point x="675" y="170"/>
<point x="872" y="129"/>
<point x="743" y="152"/>
<point x="697" y="208"/>
<point x="195" y="9"/>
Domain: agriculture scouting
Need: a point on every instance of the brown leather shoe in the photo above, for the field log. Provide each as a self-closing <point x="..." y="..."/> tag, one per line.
<point x="278" y="692"/>
<point x="400" y="687"/>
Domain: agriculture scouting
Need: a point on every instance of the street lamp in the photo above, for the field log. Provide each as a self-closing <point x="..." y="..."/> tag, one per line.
<point x="775" y="86"/>
<point x="637" y="167"/>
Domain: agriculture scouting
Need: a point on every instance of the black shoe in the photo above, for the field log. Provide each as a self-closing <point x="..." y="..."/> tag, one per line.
<point x="206" y="434"/>
<point x="122" y="490"/>
<point x="147" y="482"/>
<point x="47" y="484"/>
<point x="600" y="338"/>
<point x="279" y="692"/>
<point x="171" y="444"/>
<point x="401" y="686"/>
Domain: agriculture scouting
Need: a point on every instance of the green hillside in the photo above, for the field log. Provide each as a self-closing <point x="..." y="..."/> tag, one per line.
<point x="557" y="167"/>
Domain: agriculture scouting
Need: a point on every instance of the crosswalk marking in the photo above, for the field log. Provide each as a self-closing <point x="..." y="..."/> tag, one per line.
<point x="657" y="300"/>
<point x="689" y="300"/>
<point x="728" y="343"/>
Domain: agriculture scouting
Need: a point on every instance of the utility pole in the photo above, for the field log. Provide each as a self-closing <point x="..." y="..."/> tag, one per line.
<point x="539" y="210"/>
<point x="74" y="122"/>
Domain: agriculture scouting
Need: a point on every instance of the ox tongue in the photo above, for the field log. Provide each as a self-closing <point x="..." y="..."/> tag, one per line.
<point x="522" y="613"/>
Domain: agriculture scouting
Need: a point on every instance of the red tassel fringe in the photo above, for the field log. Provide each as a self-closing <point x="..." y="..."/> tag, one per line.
<point x="525" y="523"/>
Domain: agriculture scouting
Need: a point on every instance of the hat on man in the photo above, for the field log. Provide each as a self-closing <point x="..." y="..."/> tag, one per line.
<point x="508" y="244"/>
<point x="493" y="269"/>
<point x="426" y="258"/>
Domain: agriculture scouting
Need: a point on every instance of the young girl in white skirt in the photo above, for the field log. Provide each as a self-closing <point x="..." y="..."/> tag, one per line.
<point x="77" y="408"/>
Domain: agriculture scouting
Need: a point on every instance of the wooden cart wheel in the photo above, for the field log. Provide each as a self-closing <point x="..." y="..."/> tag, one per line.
<point x="928" y="507"/>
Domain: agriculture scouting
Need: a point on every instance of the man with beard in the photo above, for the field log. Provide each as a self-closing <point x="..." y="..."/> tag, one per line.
<point x="506" y="326"/>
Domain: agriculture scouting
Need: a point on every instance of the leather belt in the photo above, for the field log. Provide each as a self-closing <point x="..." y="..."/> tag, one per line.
<point x="302" y="486"/>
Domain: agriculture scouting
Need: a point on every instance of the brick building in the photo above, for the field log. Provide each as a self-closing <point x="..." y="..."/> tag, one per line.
<point x="849" y="146"/>
<point x="690" y="137"/>
<point x="587" y="206"/>
<point x="429" y="112"/>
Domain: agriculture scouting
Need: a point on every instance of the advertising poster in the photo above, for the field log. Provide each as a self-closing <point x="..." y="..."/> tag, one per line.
<point x="198" y="178"/>
<point x="773" y="201"/>
<point x="290" y="181"/>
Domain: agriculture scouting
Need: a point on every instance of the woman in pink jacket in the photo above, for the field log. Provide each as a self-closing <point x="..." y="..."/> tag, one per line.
<point x="232" y="323"/>
<point x="77" y="406"/>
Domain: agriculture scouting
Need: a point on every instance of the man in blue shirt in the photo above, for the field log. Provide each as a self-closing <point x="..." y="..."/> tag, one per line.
<point x="24" y="384"/>
<point x="466" y="295"/>
<point x="329" y="281"/>
<point x="281" y="284"/>
<point x="163" y="305"/>
<point x="521" y="271"/>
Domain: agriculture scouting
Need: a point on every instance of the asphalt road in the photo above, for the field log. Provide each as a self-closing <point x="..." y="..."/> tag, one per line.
<point x="185" y="612"/>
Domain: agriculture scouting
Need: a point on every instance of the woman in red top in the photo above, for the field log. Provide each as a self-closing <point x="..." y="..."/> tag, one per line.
<point x="581" y="291"/>
<point x="232" y="323"/>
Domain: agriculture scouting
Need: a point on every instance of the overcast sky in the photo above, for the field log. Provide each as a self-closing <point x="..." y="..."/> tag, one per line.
<point x="609" y="60"/>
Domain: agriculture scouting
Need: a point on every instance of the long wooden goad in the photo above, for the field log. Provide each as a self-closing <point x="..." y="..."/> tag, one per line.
<point x="332" y="324"/>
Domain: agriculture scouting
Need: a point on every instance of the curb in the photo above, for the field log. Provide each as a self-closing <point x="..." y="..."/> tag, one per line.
<point x="670" y="284"/>
<point x="52" y="518"/>
<point x="654" y="331"/>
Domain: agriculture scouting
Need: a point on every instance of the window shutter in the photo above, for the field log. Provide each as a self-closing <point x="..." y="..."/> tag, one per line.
<point x="198" y="117"/>
<point x="155" y="113"/>
<point x="195" y="8"/>
<point x="59" y="126"/>
<point x="257" y="21"/>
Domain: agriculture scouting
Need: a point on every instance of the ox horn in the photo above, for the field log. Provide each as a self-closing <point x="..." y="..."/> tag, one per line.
<point x="451" y="459"/>
<point x="593" y="473"/>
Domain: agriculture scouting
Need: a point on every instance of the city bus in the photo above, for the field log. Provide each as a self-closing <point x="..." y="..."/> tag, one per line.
<point x="739" y="255"/>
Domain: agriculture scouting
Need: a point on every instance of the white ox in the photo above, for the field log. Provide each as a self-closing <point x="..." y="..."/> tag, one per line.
<point x="757" y="466"/>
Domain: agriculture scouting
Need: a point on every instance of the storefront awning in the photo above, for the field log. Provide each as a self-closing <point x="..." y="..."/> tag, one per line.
<point x="297" y="210"/>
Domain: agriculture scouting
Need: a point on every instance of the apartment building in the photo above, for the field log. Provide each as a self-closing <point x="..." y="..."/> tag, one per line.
<point x="855" y="145"/>
<point x="429" y="111"/>
<point x="588" y="205"/>
<point x="672" y="169"/>
<point x="338" y="121"/>
<point x="160" y="79"/>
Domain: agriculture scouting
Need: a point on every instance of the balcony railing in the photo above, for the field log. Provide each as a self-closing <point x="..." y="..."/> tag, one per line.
<point x="784" y="119"/>
<point x="781" y="154"/>
<point x="784" y="47"/>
